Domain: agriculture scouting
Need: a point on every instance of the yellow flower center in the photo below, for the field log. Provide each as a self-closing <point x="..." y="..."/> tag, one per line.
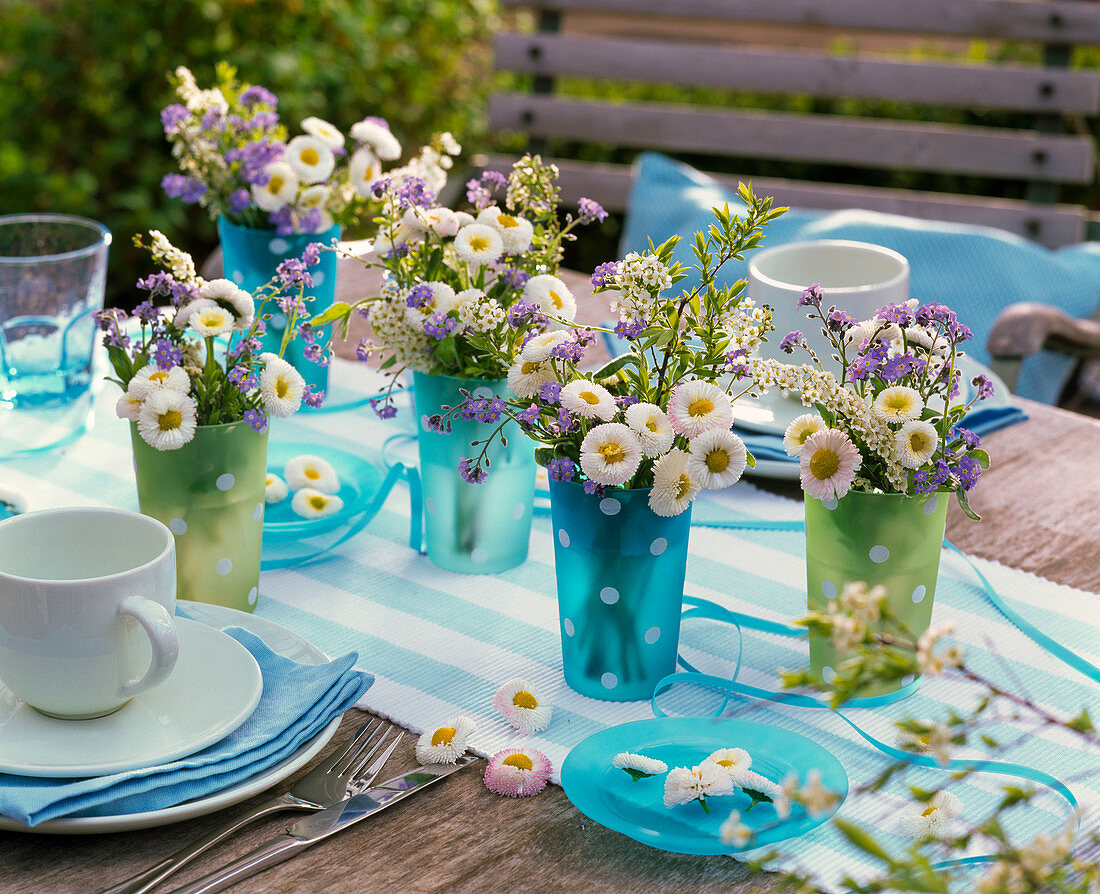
<point x="529" y="367"/>
<point x="717" y="460"/>
<point x="312" y="474"/>
<point x="170" y="421"/>
<point x="275" y="184"/>
<point x="506" y="220"/>
<point x="317" y="501"/>
<point x="918" y="442"/>
<point x="897" y="404"/>
<point x="728" y="764"/>
<point x="683" y="485"/>
<point x="159" y="376"/>
<point x="524" y="699"/>
<point x="929" y="811"/>
<point x="803" y="436"/>
<point x="518" y="760"/>
<point x="589" y="397"/>
<point x="443" y="736"/>
<point x="479" y="243"/>
<point x="612" y="453"/>
<point x="651" y="424"/>
<point x="270" y="479"/>
<point x="556" y="298"/>
<point x="310" y="156"/>
<point x="824" y="464"/>
<point x="700" y="407"/>
<point x="281" y="387"/>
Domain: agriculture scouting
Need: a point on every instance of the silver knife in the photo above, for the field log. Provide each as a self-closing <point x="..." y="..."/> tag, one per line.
<point x="319" y="826"/>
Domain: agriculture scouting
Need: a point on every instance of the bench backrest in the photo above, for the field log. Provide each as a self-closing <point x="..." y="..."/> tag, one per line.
<point x="700" y="44"/>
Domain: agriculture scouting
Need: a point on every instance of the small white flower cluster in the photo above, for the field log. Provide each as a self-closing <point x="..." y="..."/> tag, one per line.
<point x="934" y="738"/>
<point x="194" y="98"/>
<point x="478" y="312"/>
<point x="745" y="325"/>
<point x="176" y="261"/>
<point x="930" y="661"/>
<point x="852" y="612"/>
<point x="1032" y="867"/>
<point x="529" y="182"/>
<point x="640" y="279"/>
<point x="315" y="485"/>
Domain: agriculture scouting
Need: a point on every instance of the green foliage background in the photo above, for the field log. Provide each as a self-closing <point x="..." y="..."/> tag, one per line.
<point x="82" y="83"/>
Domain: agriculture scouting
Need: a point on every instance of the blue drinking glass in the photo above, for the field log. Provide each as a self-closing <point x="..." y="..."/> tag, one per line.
<point x="481" y="528"/>
<point x="250" y="257"/>
<point x="620" y="571"/>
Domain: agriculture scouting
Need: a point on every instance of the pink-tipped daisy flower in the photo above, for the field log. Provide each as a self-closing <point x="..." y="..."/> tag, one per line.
<point x="828" y="464"/>
<point x="518" y="772"/>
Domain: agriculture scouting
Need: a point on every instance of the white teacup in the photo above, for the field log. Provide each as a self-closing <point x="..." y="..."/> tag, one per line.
<point x="857" y="277"/>
<point x="87" y="597"/>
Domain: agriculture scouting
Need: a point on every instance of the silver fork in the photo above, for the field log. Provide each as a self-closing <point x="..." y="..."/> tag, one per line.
<point x="335" y="778"/>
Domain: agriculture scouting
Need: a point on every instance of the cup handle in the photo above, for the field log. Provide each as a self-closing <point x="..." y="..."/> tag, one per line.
<point x="161" y="631"/>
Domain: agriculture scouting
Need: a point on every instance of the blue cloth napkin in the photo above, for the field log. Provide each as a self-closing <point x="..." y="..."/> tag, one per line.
<point x="298" y="701"/>
<point x="981" y="421"/>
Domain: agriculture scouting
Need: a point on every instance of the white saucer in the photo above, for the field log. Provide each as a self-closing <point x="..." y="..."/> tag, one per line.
<point x="213" y="689"/>
<point x="278" y="639"/>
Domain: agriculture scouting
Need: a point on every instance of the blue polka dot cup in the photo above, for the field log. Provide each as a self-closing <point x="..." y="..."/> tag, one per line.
<point x="620" y="573"/>
<point x="887" y="540"/>
<point x="87" y="597"/>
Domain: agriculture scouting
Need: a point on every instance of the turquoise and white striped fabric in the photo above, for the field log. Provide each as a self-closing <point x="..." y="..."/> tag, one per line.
<point x="441" y="643"/>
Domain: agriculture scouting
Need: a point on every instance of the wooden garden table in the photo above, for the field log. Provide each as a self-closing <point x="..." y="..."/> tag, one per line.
<point x="1041" y="508"/>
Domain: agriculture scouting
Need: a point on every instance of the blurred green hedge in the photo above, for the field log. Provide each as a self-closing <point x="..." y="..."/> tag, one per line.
<point x="82" y="83"/>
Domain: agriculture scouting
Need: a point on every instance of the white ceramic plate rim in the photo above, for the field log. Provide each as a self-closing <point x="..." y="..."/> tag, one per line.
<point x="232" y="706"/>
<point x="278" y="638"/>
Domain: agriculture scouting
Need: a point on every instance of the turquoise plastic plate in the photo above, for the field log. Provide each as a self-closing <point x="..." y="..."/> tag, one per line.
<point x="636" y="809"/>
<point x="359" y="481"/>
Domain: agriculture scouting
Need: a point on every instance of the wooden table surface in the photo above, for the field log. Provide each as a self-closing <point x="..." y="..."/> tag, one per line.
<point x="1041" y="508"/>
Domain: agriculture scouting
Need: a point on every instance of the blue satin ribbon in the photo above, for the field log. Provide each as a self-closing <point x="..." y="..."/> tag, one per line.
<point x="416" y="491"/>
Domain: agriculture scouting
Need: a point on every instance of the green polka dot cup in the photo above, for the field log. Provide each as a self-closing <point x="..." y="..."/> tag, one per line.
<point x="886" y="540"/>
<point x="210" y="494"/>
<point x="620" y="574"/>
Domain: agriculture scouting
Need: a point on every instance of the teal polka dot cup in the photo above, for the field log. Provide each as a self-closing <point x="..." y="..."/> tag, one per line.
<point x="620" y="573"/>
<point x="210" y="494"/>
<point x="887" y="540"/>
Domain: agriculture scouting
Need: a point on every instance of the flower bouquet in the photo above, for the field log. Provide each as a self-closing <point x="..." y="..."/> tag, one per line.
<point x="881" y="454"/>
<point x="273" y="196"/>
<point x="628" y="447"/>
<point x="460" y="296"/>
<point x="198" y="391"/>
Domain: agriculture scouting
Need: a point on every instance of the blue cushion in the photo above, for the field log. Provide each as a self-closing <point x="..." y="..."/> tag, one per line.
<point x="975" y="270"/>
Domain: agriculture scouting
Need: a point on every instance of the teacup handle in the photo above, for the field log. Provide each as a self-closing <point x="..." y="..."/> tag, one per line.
<point x="158" y="625"/>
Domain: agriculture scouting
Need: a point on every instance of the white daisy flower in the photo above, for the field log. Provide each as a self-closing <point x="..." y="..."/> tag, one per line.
<point x="212" y="321"/>
<point x="311" y="471"/>
<point x="521" y="707"/>
<point x="717" y="458"/>
<point x="464" y="218"/>
<point x="934" y="819"/>
<point x="151" y="378"/>
<point x="538" y="348"/>
<point x="478" y="244"/>
<point x="167" y="419"/>
<point x="443" y="297"/>
<point x="447" y="743"/>
<point x="673" y="487"/>
<point x="516" y="232"/>
<point x="551" y="296"/>
<point x="442" y="221"/>
<point x="584" y="398"/>
<point x="382" y="142"/>
<point x="733" y="832"/>
<point x="638" y="766"/>
<point x="651" y="425"/>
<point x="315" y="196"/>
<point x="363" y="169"/>
<point x="698" y="406"/>
<point x="751" y="781"/>
<point x="317" y="127"/>
<point x="915" y="443"/>
<point x="732" y="760"/>
<point x="183" y="315"/>
<point x="280" y="189"/>
<point x="233" y="298"/>
<point x="128" y="406"/>
<point x="526" y="377"/>
<point x="311" y="503"/>
<point x="281" y="386"/>
<point x="828" y="464"/>
<point x="310" y="158"/>
<point x="803" y="427"/>
<point x="683" y="785"/>
<point x="610" y="454"/>
<point x="275" y="489"/>
<point x="898" y="404"/>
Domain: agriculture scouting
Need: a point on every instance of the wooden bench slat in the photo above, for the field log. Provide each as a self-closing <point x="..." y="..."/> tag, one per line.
<point x="827" y="139"/>
<point x="817" y="74"/>
<point x="1049" y="225"/>
<point x="1047" y="21"/>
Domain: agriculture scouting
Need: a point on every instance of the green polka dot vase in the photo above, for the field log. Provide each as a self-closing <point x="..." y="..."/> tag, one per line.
<point x="210" y="494"/>
<point x="882" y="539"/>
<point x="620" y="573"/>
<point x="474" y="528"/>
